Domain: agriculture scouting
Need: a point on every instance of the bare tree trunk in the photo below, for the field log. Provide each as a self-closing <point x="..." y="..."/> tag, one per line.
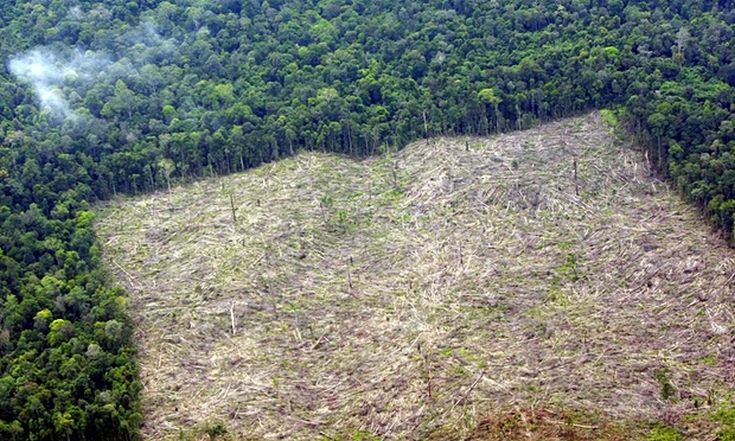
<point x="519" y="126"/>
<point x="497" y="118"/>
<point x="349" y="137"/>
<point x="426" y="125"/>
<point x="395" y="175"/>
<point x="232" y="317"/>
<point x="234" y="212"/>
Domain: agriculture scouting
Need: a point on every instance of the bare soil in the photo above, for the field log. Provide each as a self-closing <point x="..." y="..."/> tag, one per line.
<point x="416" y="294"/>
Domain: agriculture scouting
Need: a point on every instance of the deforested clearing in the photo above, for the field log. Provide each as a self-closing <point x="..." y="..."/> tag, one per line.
<point x="415" y="294"/>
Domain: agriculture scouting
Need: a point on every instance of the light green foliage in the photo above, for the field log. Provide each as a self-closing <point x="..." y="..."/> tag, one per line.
<point x="569" y="268"/>
<point x="610" y="118"/>
<point x="726" y="417"/>
<point x="362" y="435"/>
<point x="663" y="433"/>
<point x="488" y="96"/>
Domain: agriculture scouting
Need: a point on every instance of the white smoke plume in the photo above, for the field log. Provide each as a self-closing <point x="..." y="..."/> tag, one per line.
<point x="53" y="74"/>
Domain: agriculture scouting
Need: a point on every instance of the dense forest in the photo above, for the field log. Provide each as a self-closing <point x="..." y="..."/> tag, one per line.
<point x="106" y="97"/>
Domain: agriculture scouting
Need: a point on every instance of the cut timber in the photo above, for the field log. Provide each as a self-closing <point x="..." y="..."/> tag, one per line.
<point x="519" y="292"/>
<point x="232" y="317"/>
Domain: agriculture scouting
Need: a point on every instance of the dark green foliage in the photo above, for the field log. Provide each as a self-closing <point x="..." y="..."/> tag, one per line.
<point x="223" y="86"/>
<point x="668" y="391"/>
<point x="214" y="429"/>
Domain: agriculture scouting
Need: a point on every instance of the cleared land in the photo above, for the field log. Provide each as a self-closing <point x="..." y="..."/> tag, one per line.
<point x="415" y="294"/>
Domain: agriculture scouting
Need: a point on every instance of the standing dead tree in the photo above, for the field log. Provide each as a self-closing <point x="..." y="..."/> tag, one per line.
<point x="232" y="318"/>
<point x="565" y="150"/>
<point x="234" y="210"/>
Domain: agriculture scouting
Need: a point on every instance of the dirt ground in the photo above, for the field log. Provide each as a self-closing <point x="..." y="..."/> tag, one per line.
<point x="412" y="295"/>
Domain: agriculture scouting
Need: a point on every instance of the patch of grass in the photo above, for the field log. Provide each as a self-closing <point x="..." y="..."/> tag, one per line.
<point x="709" y="360"/>
<point x="664" y="433"/>
<point x="667" y="389"/>
<point x="207" y="431"/>
<point x="557" y="296"/>
<point x="214" y="430"/>
<point x="392" y="196"/>
<point x="569" y="268"/>
<point x="552" y="425"/>
<point x="356" y="435"/>
<point x="726" y="417"/>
